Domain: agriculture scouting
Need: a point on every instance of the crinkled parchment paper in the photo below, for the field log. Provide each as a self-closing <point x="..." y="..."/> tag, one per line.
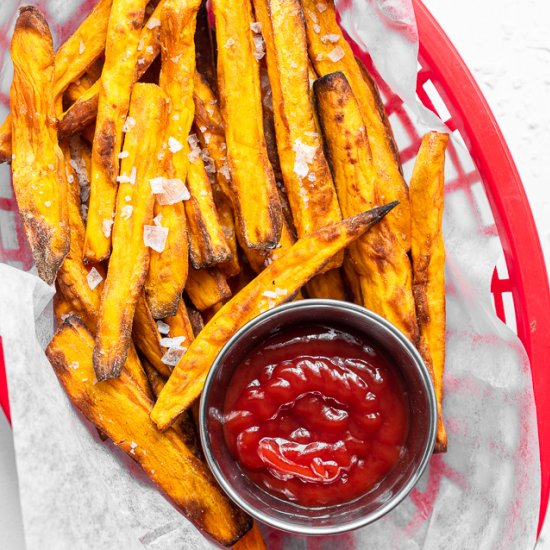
<point x="77" y="492"/>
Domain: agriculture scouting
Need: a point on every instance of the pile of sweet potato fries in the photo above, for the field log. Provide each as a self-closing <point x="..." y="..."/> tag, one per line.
<point x="176" y="180"/>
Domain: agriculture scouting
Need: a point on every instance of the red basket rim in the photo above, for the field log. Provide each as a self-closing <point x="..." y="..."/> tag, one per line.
<point x="510" y="207"/>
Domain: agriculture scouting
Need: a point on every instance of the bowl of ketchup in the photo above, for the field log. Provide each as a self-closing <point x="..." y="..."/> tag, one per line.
<point x="318" y="417"/>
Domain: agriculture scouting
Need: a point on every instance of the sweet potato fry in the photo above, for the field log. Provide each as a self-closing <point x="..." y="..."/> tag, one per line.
<point x="119" y="409"/>
<point x="71" y="61"/>
<point x="147" y="338"/>
<point x="428" y="254"/>
<point x="129" y="260"/>
<point x="121" y="52"/>
<point x="330" y="52"/>
<point x="206" y="287"/>
<point x="327" y="285"/>
<point x="352" y="279"/>
<point x="231" y="266"/>
<point x="84" y="110"/>
<point x="253" y="540"/>
<point x="257" y="207"/>
<point x="306" y="174"/>
<point x="381" y="262"/>
<point x="168" y="270"/>
<point x="207" y="244"/>
<point x="180" y="325"/>
<point x="278" y="283"/>
<point x="184" y="426"/>
<point x="39" y="178"/>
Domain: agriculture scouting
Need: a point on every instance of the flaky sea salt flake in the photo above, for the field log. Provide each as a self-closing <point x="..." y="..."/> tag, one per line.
<point x="321" y="7"/>
<point x="336" y="54"/>
<point x="316" y="29"/>
<point x="164" y="328"/>
<point x="93" y="278"/>
<point x="172" y="356"/>
<point x="256" y="27"/>
<point x="174" y="342"/>
<point x="174" y="145"/>
<point x="129" y="123"/>
<point x="107" y="227"/>
<point x="230" y="42"/>
<point x="332" y="38"/>
<point x="155" y="237"/>
<point x="153" y="23"/>
<point x="174" y="190"/>
<point x="123" y="155"/>
<point x="126" y="212"/>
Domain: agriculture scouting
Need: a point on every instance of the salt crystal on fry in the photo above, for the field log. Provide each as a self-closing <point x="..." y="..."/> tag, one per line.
<point x="123" y="154"/>
<point x="332" y="38"/>
<point x="126" y="212"/>
<point x="81" y="47"/>
<point x="174" y="190"/>
<point x="172" y="342"/>
<point x="164" y="328"/>
<point x="256" y="27"/>
<point x="155" y="236"/>
<point x="129" y="123"/>
<point x="93" y="278"/>
<point x="174" y="145"/>
<point x="153" y="23"/>
<point x="172" y="356"/>
<point x="321" y="7"/>
<point x="106" y="227"/>
<point x="336" y="54"/>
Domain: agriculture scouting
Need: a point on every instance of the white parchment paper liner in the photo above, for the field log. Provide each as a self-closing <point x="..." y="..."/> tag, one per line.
<point x="77" y="492"/>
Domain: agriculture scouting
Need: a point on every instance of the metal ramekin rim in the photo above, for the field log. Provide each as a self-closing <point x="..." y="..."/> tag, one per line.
<point x="396" y="499"/>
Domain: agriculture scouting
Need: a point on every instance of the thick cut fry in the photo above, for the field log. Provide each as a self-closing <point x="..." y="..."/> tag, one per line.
<point x="207" y="244"/>
<point x="231" y="266"/>
<point x="119" y="409"/>
<point x="327" y="285"/>
<point x="306" y="174"/>
<point x="184" y="426"/>
<point x="39" y="178"/>
<point x="278" y="283"/>
<point x="428" y="254"/>
<point x="381" y="262"/>
<point x="147" y="338"/>
<point x="121" y="52"/>
<point x="71" y="61"/>
<point x="180" y="325"/>
<point x="330" y="52"/>
<point x="129" y="260"/>
<point x="206" y="287"/>
<point x="255" y="198"/>
<point x="253" y="540"/>
<point x="84" y="110"/>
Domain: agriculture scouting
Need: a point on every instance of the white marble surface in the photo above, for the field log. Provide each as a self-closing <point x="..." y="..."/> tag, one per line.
<point x="506" y="44"/>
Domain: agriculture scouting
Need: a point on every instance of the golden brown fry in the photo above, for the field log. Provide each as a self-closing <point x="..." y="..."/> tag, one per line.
<point x="327" y="285"/>
<point x="255" y="199"/>
<point x="207" y="244"/>
<point x="121" y="411"/>
<point x="381" y="262"/>
<point x="306" y="174"/>
<point x="168" y="270"/>
<point x="253" y="540"/>
<point x="184" y="426"/>
<point x="121" y="53"/>
<point x="147" y="338"/>
<point x="129" y="260"/>
<point x="330" y="52"/>
<point x="278" y="283"/>
<point x="71" y="61"/>
<point x="62" y="308"/>
<point x="206" y="287"/>
<point x="39" y="177"/>
<point x="196" y="320"/>
<point x="180" y="324"/>
<point x="231" y="266"/>
<point x="428" y="254"/>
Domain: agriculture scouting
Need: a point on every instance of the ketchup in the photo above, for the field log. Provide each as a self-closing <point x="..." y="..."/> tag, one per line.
<point x="316" y="415"/>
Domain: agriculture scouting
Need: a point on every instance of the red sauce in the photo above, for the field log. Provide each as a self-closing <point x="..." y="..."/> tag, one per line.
<point x="316" y="416"/>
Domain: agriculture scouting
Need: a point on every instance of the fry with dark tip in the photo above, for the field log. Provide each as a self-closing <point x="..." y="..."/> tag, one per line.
<point x="129" y="260"/>
<point x="306" y="174"/>
<point x="278" y="283"/>
<point x="72" y="59"/>
<point x="428" y="254"/>
<point x="255" y="198"/>
<point x="38" y="167"/>
<point x="381" y="262"/>
<point x="121" y="52"/>
<point x="120" y="410"/>
<point x="330" y="52"/>
<point x="206" y="287"/>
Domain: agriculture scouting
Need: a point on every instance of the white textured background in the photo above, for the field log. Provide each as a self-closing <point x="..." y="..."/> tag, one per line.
<point x="506" y="44"/>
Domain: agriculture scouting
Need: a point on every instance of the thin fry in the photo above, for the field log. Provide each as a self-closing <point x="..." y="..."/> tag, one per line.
<point x="330" y="52"/>
<point x="119" y="409"/>
<point x="276" y="284"/>
<point x="71" y="61"/>
<point x="121" y="52"/>
<point x="206" y="287"/>
<point x="306" y="174"/>
<point x="38" y="168"/>
<point x="379" y="259"/>
<point x="428" y="254"/>
<point x="257" y="207"/>
<point x="129" y="260"/>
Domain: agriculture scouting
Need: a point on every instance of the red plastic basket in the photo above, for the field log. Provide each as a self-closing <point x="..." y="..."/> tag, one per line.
<point x="443" y="72"/>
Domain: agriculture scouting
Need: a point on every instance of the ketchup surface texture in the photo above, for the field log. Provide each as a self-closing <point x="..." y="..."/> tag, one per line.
<point x="316" y="416"/>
